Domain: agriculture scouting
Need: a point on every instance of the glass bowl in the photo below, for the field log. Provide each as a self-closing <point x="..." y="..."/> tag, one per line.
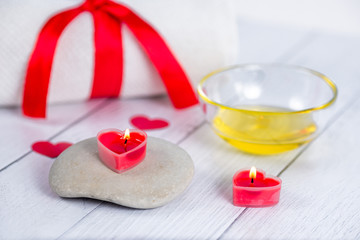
<point x="266" y="108"/>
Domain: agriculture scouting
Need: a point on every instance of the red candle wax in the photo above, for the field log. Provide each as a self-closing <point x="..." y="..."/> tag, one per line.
<point x="264" y="191"/>
<point x="119" y="152"/>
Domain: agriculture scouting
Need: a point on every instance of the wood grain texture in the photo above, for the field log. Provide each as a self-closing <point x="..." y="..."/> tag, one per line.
<point x="29" y="209"/>
<point x="19" y="132"/>
<point x="337" y="57"/>
<point x="117" y="114"/>
<point x="320" y="196"/>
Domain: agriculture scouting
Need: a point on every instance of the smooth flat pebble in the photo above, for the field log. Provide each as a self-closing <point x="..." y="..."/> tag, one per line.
<point x="163" y="175"/>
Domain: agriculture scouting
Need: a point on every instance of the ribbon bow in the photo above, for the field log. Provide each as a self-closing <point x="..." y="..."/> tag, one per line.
<point x="108" y="17"/>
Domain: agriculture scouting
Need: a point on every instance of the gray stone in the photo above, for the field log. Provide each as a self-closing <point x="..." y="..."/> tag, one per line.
<point x="163" y="175"/>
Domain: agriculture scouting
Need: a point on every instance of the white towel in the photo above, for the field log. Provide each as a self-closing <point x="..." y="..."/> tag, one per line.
<point x="202" y="34"/>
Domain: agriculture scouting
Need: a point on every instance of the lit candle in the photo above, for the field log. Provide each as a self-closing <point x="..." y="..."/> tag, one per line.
<point x="121" y="150"/>
<point x="252" y="174"/>
<point x="252" y="189"/>
<point x="126" y="136"/>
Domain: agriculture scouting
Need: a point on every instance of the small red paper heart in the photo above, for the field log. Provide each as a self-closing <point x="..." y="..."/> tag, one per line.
<point x="50" y="150"/>
<point x="144" y="123"/>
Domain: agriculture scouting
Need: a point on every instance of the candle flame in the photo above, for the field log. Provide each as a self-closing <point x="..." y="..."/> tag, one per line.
<point x="127" y="134"/>
<point x="252" y="173"/>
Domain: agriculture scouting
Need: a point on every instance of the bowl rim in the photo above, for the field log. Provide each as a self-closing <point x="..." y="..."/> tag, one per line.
<point x="329" y="82"/>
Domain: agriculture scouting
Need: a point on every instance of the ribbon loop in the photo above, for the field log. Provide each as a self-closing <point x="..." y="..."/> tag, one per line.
<point x="108" y="17"/>
<point x="92" y="5"/>
<point x="39" y="68"/>
<point x="108" y="69"/>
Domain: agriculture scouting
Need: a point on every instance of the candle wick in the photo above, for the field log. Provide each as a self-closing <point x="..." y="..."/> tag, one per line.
<point x="126" y="139"/>
<point x="252" y="180"/>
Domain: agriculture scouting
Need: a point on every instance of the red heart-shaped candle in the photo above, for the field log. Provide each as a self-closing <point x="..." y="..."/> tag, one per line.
<point x="258" y="191"/>
<point x="120" y="152"/>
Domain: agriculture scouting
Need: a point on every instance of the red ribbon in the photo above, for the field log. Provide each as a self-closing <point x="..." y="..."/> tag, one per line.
<point x="108" y="17"/>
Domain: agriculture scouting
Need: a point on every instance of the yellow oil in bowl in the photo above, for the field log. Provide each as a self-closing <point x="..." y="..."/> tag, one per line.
<point x="266" y="108"/>
<point x="263" y="129"/>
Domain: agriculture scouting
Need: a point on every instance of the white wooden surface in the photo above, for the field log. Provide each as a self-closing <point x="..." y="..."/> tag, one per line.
<point x="320" y="196"/>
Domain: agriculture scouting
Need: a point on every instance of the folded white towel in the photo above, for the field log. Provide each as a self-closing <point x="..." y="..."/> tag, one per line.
<point x="202" y="35"/>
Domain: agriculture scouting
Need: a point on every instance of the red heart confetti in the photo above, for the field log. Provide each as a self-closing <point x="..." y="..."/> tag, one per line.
<point x="144" y="123"/>
<point x="49" y="149"/>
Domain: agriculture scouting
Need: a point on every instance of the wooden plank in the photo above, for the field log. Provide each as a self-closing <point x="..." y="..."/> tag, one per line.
<point x="19" y="132"/>
<point x="28" y="206"/>
<point x="320" y="195"/>
<point x="118" y="113"/>
<point x="336" y="57"/>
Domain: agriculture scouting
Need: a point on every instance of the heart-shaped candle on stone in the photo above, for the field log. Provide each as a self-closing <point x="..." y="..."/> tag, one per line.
<point x="121" y="150"/>
<point x="252" y="189"/>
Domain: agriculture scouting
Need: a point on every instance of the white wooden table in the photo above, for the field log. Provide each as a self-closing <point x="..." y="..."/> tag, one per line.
<point x="320" y="196"/>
